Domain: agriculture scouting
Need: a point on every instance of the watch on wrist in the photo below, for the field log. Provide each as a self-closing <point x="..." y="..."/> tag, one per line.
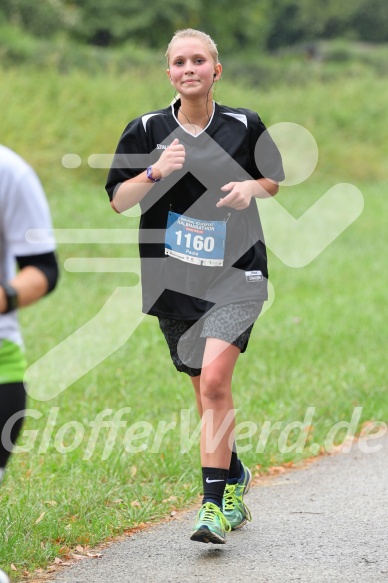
<point x="11" y="297"/>
<point x="149" y="175"/>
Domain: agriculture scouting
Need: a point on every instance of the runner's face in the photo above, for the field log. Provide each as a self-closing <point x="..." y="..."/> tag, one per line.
<point x="191" y="67"/>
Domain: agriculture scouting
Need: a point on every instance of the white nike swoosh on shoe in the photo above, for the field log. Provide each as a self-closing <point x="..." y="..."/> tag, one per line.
<point x="211" y="481"/>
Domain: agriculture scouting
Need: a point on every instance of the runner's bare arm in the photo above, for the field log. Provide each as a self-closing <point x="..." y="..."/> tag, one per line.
<point x="241" y="193"/>
<point x="30" y="284"/>
<point x="135" y="189"/>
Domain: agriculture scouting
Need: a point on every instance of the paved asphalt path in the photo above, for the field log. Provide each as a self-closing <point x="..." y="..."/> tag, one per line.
<point x="326" y="522"/>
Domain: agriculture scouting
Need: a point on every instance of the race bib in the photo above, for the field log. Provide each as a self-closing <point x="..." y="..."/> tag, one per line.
<point x="195" y="241"/>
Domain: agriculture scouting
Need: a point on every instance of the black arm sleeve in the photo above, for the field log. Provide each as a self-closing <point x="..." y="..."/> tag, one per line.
<point x="46" y="262"/>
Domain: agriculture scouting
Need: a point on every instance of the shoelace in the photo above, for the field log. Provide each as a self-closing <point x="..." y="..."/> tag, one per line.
<point x="210" y="511"/>
<point x="230" y="499"/>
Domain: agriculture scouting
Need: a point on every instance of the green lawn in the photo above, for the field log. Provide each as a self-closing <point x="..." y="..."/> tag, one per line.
<point x="321" y="345"/>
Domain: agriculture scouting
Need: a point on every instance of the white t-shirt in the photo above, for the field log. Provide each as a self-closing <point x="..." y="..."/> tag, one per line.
<point x="23" y="206"/>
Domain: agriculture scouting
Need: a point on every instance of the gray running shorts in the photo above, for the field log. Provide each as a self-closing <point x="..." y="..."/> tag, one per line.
<point x="186" y="339"/>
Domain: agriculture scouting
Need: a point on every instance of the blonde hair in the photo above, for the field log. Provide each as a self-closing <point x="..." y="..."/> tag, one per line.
<point x="198" y="34"/>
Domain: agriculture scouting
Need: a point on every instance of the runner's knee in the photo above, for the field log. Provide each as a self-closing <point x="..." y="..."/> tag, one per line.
<point x="214" y="385"/>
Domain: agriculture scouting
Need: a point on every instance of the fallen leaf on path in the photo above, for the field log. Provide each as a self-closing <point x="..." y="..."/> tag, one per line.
<point x="276" y="470"/>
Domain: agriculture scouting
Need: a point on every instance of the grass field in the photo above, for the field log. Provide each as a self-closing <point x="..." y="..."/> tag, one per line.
<point x="321" y="345"/>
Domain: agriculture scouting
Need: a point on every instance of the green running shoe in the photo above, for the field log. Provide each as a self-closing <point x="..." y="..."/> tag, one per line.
<point x="211" y="525"/>
<point x="234" y="509"/>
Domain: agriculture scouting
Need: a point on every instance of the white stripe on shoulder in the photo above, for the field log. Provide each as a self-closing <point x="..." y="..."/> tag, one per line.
<point x="145" y="118"/>
<point x="240" y="116"/>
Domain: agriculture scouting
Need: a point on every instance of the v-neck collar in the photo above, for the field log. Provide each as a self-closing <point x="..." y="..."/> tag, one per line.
<point x="186" y="136"/>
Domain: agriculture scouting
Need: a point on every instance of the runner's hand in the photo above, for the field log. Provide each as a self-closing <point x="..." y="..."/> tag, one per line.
<point x="172" y="159"/>
<point x="240" y="194"/>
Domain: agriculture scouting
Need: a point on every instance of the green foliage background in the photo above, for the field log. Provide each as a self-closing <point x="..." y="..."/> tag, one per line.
<point x="321" y="344"/>
<point x="252" y="26"/>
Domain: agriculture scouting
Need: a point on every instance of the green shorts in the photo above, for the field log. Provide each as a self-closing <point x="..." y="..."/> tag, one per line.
<point x="12" y="362"/>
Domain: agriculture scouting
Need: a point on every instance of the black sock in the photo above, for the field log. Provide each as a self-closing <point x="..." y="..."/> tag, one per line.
<point x="214" y="482"/>
<point x="235" y="468"/>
